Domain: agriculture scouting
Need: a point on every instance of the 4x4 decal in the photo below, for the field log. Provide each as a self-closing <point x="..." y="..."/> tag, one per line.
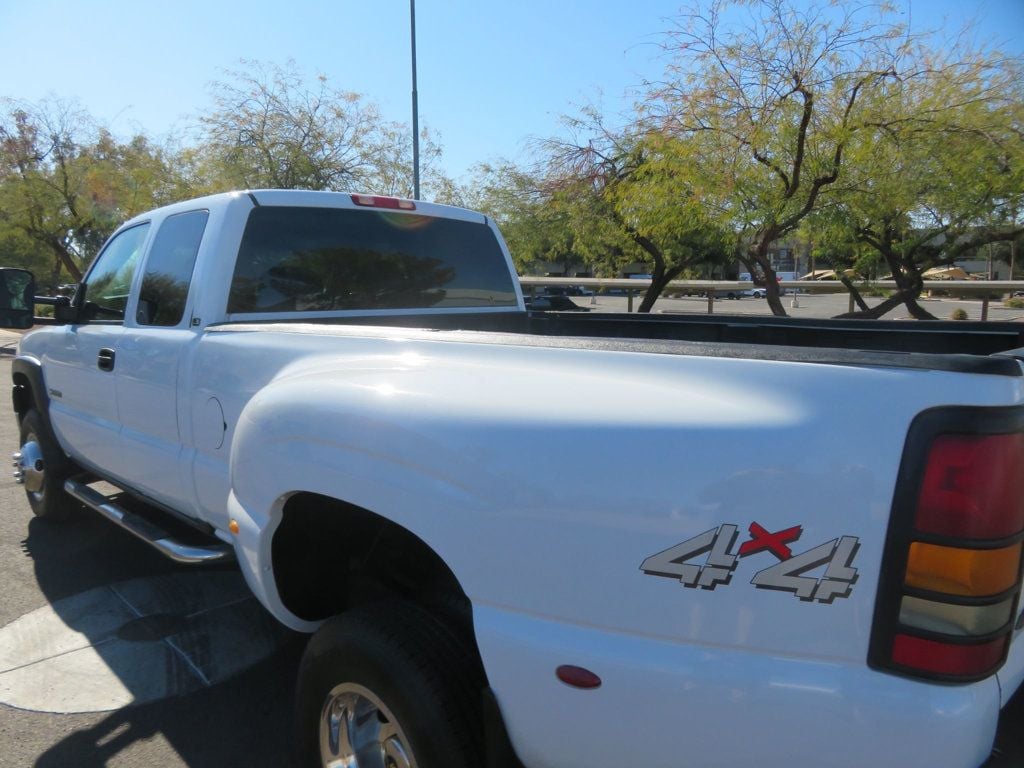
<point x="788" y="575"/>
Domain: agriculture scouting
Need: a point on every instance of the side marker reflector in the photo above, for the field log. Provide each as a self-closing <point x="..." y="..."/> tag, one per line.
<point x="577" y="677"/>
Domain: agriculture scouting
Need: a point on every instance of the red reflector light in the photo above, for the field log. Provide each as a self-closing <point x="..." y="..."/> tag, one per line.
<point x="379" y="201"/>
<point x="973" y="487"/>
<point x="947" y="658"/>
<point x="577" y="677"/>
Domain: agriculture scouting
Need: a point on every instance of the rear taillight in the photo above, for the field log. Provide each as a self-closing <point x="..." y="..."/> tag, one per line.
<point x="950" y="581"/>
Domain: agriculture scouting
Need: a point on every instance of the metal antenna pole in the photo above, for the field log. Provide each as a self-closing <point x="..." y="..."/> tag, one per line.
<point x="415" y="109"/>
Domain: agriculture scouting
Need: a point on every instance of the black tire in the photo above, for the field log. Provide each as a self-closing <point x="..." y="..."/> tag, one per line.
<point x="48" y="501"/>
<point x="422" y="676"/>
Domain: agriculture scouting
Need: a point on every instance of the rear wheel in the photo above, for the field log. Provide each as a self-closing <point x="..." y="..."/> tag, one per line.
<point x="43" y="468"/>
<point x="388" y="686"/>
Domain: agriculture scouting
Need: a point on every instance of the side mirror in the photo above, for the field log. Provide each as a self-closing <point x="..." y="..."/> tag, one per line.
<point x="17" y="298"/>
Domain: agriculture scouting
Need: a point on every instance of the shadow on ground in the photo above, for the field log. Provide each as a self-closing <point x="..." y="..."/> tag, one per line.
<point x="238" y="714"/>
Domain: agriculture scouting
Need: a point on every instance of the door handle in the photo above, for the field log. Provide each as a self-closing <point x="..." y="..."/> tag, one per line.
<point x="105" y="361"/>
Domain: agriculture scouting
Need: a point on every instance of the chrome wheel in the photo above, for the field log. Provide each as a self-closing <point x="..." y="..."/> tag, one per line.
<point x="31" y="470"/>
<point x="357" y="730"/>
<point x="42" y="468"/>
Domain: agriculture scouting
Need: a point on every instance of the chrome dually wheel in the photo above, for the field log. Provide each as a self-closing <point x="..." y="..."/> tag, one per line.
<point x="388" y="685"/>
<point x="42" y="467"/>
<point x="357" y="730"/>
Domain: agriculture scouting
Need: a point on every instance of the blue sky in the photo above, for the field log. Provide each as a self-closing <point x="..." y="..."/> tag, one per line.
<point x="491" y="75"/>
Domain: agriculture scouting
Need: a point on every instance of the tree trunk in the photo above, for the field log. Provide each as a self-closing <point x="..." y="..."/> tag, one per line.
<point x="916" y="310"/>
<point x="873" y="313"/>
<point x="66" y="259"/>
<point x="660" y="278"/>
<point x="51" y="290"/>
<point x="762" y="273"/>
<point x="854" y="293"/>
<point x="909" y="284"/>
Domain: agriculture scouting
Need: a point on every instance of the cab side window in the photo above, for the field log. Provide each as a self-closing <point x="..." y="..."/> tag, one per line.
<point x="168" y="274"/>
<point x="110" y="279"/>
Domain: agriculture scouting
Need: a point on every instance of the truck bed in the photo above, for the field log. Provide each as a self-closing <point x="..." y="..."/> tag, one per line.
<point x="989" y="348"/>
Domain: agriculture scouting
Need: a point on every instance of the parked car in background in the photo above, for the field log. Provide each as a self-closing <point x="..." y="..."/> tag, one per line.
<point x="554" y="303"/>
<point x="565" y="290"/>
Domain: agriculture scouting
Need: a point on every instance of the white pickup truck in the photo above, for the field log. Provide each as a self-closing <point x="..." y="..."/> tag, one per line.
<point x="536" y="538"/>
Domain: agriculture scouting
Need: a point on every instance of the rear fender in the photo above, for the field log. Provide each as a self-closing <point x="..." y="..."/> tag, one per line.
<point x="288" y="442"/>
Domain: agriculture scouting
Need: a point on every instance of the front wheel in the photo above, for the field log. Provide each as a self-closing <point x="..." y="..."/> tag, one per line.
<point x="43" y="468"/>
<point x="388" y="686"/>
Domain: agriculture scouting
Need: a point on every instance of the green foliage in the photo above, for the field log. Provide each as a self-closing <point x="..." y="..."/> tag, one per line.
<point x="624" y="201"/>
<point x="767" y="98"/>
<point x="65" y="184"/>
<point x="958" y="314"/>
<point x="535" y="224"/>
<point x="270" y="128"/>
<point x="1014" y="303"/>
<point x="937" y="168"/>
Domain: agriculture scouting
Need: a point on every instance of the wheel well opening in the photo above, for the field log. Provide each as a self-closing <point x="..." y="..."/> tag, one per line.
<point x="329" y="555"/>
<point x="21" y="394"/>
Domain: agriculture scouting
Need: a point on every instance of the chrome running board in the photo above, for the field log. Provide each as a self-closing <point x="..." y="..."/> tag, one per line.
<point x="149" y="532"/>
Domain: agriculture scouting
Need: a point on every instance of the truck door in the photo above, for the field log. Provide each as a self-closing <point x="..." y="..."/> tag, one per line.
<point x="150" y="355"/>
<point x="80" y="368"/>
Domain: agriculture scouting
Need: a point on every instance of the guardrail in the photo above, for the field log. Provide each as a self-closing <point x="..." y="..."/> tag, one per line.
<point x="634" y="287"/>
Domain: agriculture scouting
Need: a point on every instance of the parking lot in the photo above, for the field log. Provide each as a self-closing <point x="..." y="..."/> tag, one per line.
<point x="821" y="305"/>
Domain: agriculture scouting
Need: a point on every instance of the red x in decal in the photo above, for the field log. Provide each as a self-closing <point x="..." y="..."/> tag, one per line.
<point x="775" y="542"/>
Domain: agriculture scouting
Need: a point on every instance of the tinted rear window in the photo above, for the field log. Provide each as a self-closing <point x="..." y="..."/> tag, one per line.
<point x="320" y="259"/>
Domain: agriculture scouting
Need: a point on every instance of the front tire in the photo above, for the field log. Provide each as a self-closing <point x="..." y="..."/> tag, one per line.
<point x="44" y="468"/>
<point x="388" y="686"/>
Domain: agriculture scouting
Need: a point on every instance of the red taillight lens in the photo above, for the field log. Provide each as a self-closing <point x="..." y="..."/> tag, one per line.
<point x="379" y="201"/>
<point x="973" y="487"/>
<point x="950" y="582"/>
<point x="945" y="658"/>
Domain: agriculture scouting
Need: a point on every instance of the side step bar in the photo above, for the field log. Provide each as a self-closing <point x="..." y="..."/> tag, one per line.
<point x="149" y="532"/>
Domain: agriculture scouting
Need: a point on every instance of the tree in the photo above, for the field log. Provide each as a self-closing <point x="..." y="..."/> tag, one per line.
<point x="627" y="204"/>
<point x="41" y="186"/>
<point x="769" y="109"/>
<point x="66" y="183"/>
<point x="269" y="128"/>
<point x="946" y="178"/>
<point x="389" y="155"/>
<point x="535" y="226"/>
